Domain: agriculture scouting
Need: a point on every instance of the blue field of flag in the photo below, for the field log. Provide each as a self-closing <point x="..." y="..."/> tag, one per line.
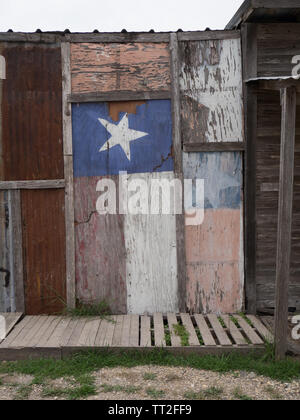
<point x="137" y="143"/>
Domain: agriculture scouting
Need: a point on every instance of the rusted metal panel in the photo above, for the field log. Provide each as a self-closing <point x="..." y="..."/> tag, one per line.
<point x="44" y="252"/>
<point x="100" y="249"/>
<point x="130" y="67"/>
<point x="211" y="91"/>
<point x="32" y="111"/>
<point x="215" y="248"/>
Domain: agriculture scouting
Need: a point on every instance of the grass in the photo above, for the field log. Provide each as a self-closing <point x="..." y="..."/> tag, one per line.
<point x="85" y="363"/>
<point x="119" y="388"/>
<point x="101" y="310"/>
<point x="155" y="393"/>
<point x="238" y="395"/>
<point x="184" y="335"/>
<point x="212" y="393"/>
<point x="149" y="376"/>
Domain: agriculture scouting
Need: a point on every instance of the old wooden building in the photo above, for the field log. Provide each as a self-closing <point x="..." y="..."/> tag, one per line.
<point x="76" y="109"/>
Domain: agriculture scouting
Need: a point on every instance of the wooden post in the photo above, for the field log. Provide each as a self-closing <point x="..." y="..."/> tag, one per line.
<point x="69" y="188"/>
<point x="178" y="163"/>
<point x="285" y="213"/>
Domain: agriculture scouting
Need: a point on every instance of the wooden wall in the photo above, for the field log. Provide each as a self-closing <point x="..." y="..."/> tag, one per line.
<point x="128" y="260"/>
<point x="268" y="53"/>
<point x="212" y="112"/>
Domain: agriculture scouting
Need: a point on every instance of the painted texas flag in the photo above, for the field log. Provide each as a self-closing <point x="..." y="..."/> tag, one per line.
<point x="107" y="141"/>
<point x="130" y="260"/>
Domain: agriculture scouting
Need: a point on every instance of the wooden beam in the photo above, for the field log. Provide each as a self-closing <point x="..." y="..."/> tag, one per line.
<point x="68" y="165"/>
<point x="208" y="35"/>
<point x="17" y="254"/>
<point x="249" y="47"/>
<point x="285" y="214"/>
<point x="178" y="168"/>
<point x="117" y="96"/>
<point x="32" y="185"/>
<point x="130" y="37"/>
<point x="214" y="147"/>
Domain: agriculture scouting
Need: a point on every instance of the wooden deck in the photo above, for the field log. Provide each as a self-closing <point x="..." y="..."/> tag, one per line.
<point x="57" y="336"/>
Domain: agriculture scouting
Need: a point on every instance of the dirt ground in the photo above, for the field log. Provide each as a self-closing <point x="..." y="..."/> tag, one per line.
<point x="155" y="383"/>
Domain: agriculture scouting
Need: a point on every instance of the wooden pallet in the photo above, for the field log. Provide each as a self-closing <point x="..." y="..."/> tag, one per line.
<point x="11" y="319"/>
<point x="51" y="336"/>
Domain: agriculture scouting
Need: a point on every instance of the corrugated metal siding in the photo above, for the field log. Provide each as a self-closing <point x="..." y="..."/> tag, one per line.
<point x="211" y="91"/>
<point x="32" y="112"/>
<point x="44" y="254"/>
<point x="109" y="67"/>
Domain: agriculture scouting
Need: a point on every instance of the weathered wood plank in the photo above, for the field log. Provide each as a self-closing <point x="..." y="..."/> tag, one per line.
<point x="118" y="331"/>
<point x="145" y="331"/>
<point x="21" y="336"/>
<point x="204" y="331"/>
<point x="48" y="333"/>
<point x="108" y="339"/>
<point x="187" y="322"/>
<point x="159" y="331"/>
<point x="214" y="147"/>
<point x="261" y="328"/>
<point x="126" y="331"/>
<point x="32" y="185"/>
<point x="219" y="330"/>
<point x="39" y="321"/>
<point x="15" y="332"/>
<point x="211" y="91"/>
<point x="285" y="214"/>
<point x="36" y="338"/>
<point x="58" y="333"/>
<point x="76" y="333"/>
<point x="99" y="67"/>
<point x="134" y="331"/>
<point x="89" y="333"/>
<point x="117" y="96"/>
<point x="248" y="330"/>
<point x="249" y="43"/>
<point x="122" y="38"/>
<point x="208" y="35"/>
<point x="68" y="332"/>
<point x="234" y="331"/>
<point x="68" y="169"/>
<point x="17" y="252"/>
<point x="11" y="319"/>
<point x="178" y="168"/>
<point x="175" y="339"/>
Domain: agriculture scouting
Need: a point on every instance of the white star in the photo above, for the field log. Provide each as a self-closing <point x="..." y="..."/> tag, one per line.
<point x="121" y="135"/>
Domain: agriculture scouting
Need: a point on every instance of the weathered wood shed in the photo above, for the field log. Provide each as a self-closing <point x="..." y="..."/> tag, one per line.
<point x="77" y="109"/>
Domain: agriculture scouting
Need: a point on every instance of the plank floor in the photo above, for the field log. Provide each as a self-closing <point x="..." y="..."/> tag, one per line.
<point x="11" y="320"/>
<point x="57" y="335"/>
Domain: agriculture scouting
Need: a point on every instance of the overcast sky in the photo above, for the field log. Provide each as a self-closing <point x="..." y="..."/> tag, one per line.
<point x="114" y="15"/>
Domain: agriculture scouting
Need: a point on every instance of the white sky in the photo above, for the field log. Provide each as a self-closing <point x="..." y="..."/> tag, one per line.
<point x="115" y="15"/>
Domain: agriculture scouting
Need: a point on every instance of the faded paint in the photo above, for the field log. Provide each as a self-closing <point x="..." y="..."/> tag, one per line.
<point x="2" y="68"/>
<point x="110" y="67"/>
<point x="100" y="249"/>
<point x="211" y="89"/>
<point x="151" y="258"/>
<point x="214" y="249"/>
<point x="152" y="153"/>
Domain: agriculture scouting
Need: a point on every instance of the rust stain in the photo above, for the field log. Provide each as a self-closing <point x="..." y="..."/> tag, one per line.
<point x="130" y="107"/>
